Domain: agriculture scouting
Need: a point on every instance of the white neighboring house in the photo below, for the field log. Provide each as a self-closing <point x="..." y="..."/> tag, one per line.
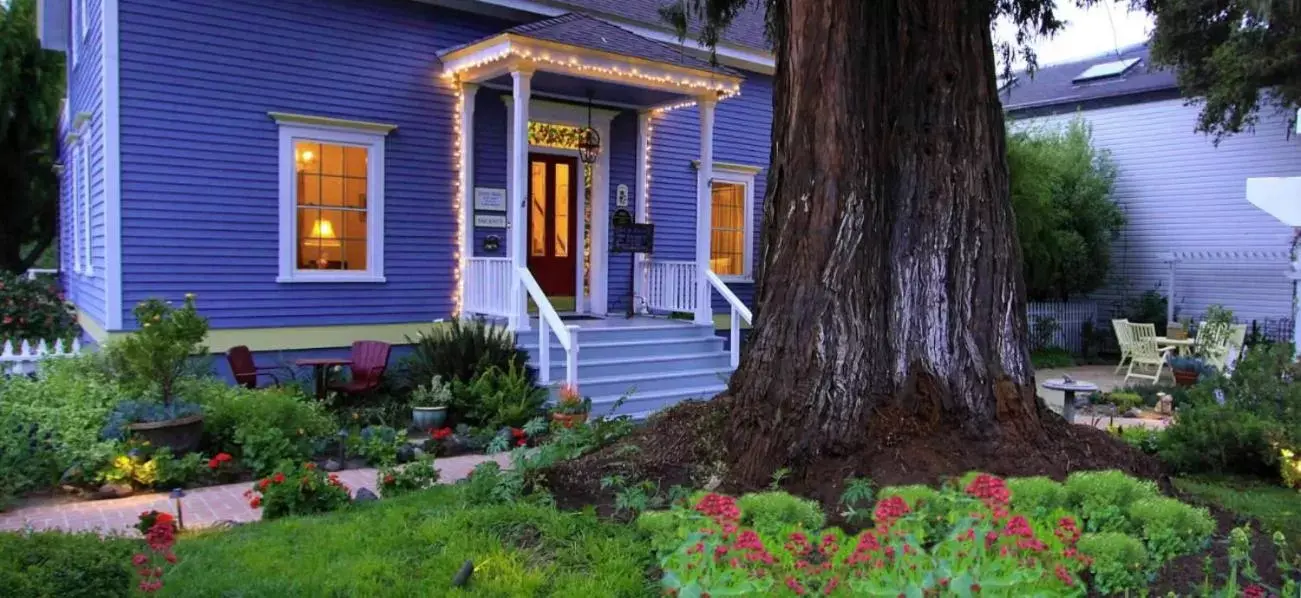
<point x="1181" y="193"/>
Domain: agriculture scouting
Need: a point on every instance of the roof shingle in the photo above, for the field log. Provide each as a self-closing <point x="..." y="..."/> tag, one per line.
<point x="1055" y="86"/>
<point x="748" y="29"/>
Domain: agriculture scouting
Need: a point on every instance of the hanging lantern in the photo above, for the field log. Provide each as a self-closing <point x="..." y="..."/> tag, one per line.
<point x="589" y="141"/>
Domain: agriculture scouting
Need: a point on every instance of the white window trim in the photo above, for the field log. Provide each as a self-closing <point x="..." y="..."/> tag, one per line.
<point x="74" y="195"/>
<point x="369" y="135"/>
<point x="741" y="175"/>
<point x="87" y="267"/>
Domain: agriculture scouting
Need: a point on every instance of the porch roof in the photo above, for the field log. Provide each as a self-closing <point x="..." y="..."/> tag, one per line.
<point x="579" y="46"/>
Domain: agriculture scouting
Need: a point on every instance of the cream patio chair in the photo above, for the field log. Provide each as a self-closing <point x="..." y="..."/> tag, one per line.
<point x="1219" y="345"/>
<point x="1124" y="338"/>
<point x="1145" y="353"/>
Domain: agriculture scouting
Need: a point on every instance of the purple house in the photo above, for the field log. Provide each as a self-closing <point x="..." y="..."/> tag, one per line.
<point x="325" y="171"/>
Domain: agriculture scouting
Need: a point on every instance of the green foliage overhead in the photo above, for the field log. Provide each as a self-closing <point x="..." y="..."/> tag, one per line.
<point x="31" y="86"/>
<point x="1061" y="192"/>
<point x="1235" y="57"/>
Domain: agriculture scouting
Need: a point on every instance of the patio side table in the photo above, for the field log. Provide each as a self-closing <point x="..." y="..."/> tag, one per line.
<point x="320" y="370"/>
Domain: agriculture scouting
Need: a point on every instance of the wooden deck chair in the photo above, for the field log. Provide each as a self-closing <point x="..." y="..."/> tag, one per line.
<point x="1145" y="354"/>
<point x="1123" y="339"/>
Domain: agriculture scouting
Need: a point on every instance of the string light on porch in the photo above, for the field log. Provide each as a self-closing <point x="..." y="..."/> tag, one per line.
<point x="574" y="63"/>
<point x="457" y="93"/>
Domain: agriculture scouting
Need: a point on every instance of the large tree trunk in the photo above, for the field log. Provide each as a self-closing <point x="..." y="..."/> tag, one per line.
<point x="891" y="275"/>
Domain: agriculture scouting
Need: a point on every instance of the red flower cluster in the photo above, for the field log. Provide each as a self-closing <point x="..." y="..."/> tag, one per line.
<point x="521" y="437"/>
<point x="719" y="507"/>
<point x="1254" y="591"/>
<point x="889" y="510"/>
<point x="990" y="490"/>
<point x="218" y="460"/>
<point x="160" y="538"/>
<point x="440" y="434"/>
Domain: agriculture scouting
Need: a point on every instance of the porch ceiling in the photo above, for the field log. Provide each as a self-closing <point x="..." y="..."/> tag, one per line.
<point x="573" y="54"/>
<point x="567" y="87"/>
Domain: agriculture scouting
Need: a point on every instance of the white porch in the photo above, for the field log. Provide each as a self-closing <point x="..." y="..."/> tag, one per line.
<point x="541" y="70"/>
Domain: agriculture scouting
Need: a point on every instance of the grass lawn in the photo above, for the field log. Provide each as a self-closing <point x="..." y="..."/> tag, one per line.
<point x="414" y="546"/>
<point x="1277" y="508"/>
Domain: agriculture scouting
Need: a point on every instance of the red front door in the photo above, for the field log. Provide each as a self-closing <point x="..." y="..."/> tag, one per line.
<point x="553" y="222"/>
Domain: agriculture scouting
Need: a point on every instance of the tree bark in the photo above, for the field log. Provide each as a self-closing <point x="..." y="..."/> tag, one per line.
<point x="891" y="274"/>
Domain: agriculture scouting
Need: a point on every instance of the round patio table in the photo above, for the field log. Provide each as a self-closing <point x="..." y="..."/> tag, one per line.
<point x="320" y="366"/>
<point x="1182" y="345"/>
<point x="1069" y="388"/>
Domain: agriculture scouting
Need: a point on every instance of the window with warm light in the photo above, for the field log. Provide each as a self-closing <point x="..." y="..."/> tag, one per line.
<point x="732" y="223"/>
<point x="332" y="201"/>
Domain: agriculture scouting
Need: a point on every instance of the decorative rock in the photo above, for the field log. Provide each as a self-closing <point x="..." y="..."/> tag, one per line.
<point x="406" y="453"/>
<point x="72" y="476"/>
<point x="364" y="495"/>
<point x="1133" y="413"/>
<point x="226" y="524"/>
<point x="332" y="465"/>
<point x="1165" y="404"/>
<point x="114" y="491"/>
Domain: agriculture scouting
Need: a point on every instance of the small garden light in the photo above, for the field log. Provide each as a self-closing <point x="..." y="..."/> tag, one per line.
<point x="177" y="495"/>
<point x="343" y="446"/>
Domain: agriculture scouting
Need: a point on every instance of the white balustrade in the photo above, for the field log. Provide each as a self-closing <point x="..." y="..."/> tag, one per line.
<point x="549" y="322"/>
<point x="671" y="285"/>
<point x="487" y="286"/>
<point x="22" y="358"/>
<point x="739" y="312"/>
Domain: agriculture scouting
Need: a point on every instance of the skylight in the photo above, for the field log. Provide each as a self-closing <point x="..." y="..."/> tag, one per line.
<point x="1105" y="70"/>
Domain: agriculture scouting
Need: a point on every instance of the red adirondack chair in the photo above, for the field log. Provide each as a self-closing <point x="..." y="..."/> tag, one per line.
<point x="245" y="370"/>
<point x="369" y="360"/>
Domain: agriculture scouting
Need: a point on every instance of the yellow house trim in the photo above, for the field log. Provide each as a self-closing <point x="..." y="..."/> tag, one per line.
<point x="286" y="118"/>
<point x="92" y="328"/>
<point x="312" y="337"/>
<point x="284" y="339"/>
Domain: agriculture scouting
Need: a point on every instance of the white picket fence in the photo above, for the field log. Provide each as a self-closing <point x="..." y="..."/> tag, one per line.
<point x="23" y="358"/>
<point x="1070" y="318"/>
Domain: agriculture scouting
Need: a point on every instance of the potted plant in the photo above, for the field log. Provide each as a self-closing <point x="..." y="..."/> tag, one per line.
<point x="572" y="408"/>
<point x="155" y="358"/>
<point x="429" y="404"/>
<point x="1187" y="370"/>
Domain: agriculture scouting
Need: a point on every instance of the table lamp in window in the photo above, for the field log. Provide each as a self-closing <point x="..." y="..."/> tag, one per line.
<point x="321" y="237"/>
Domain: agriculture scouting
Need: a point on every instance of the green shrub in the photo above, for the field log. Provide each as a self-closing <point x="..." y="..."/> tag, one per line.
<point x="157" y="354"/>
<point x="261" y="427"/>
<point x="1102" y="498"/>
<point x="666" y="529"/>
<point x="34" y="310"/>
<point x="1171" y="528"/>
<point x="460" y="350"/>
<point x="1120" y="563"/>
<point x="1037" y="497"/>
<point x="499" y="397"/>
<point x="59" y="565"/>
<point x="1124" y="401"/>
<point x="51" y="423"/>
<point x="299" y="490"/>
<point x="1065" y="217"/>
<point x="412" y="477"/>
<point x="1048" y="358"/>
<point x="1140" y="437"/>
<point x="1232" y="425"/>
<point x="770" y="512"/>
<point x="914" y="495"/>
<point x="378" y="445"/>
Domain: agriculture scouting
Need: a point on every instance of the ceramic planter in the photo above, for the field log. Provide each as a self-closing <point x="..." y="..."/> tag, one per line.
<point x="427" y="418"/>
<point x="569" y="420"/>
<point x="182" y="435"/>
<point x="1186" y="378"/>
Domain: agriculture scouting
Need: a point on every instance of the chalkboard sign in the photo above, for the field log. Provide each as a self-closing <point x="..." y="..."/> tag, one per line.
<point x="633" y="238"/>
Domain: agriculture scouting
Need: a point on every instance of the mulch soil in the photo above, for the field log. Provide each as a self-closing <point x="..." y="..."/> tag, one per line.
<point x="685" y="446"/>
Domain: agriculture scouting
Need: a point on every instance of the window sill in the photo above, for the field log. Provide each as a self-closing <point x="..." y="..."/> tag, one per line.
<point x="313" y="277"/>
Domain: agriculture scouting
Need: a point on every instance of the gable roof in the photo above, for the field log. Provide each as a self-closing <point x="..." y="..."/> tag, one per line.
<point x="748" y="29"/>
<point x="1057" y="85"/>
<point x="580" y="30"/>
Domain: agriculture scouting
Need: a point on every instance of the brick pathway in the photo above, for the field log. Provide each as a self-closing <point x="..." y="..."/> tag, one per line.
<point x="203" y="506"/>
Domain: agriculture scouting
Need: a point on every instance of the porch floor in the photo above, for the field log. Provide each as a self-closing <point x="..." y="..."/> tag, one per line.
<point x="614" y="321"/>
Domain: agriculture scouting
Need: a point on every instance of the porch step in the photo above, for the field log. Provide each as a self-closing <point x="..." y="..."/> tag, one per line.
<point x="655" y="363"/>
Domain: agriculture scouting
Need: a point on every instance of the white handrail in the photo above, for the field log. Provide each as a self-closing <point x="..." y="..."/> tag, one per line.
<point x="549" y="321"/>
<point x="739" y="312"/>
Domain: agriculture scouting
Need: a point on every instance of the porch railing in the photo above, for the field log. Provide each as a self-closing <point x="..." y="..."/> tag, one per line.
<point x="671" y="285"/>
<point x="487" y="286"/>
<point x="549" y="322"/>
<point x="739" y="312"/>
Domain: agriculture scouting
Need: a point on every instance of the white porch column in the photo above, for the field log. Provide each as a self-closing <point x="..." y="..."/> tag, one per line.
<point x="1170" y="294"/>
<point x="519" y="162"/>
<point x="641" y="201"/>
<point x="704" y="205"/>
<point x="466" y="145"/>
<point x="1295" y="275"/>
